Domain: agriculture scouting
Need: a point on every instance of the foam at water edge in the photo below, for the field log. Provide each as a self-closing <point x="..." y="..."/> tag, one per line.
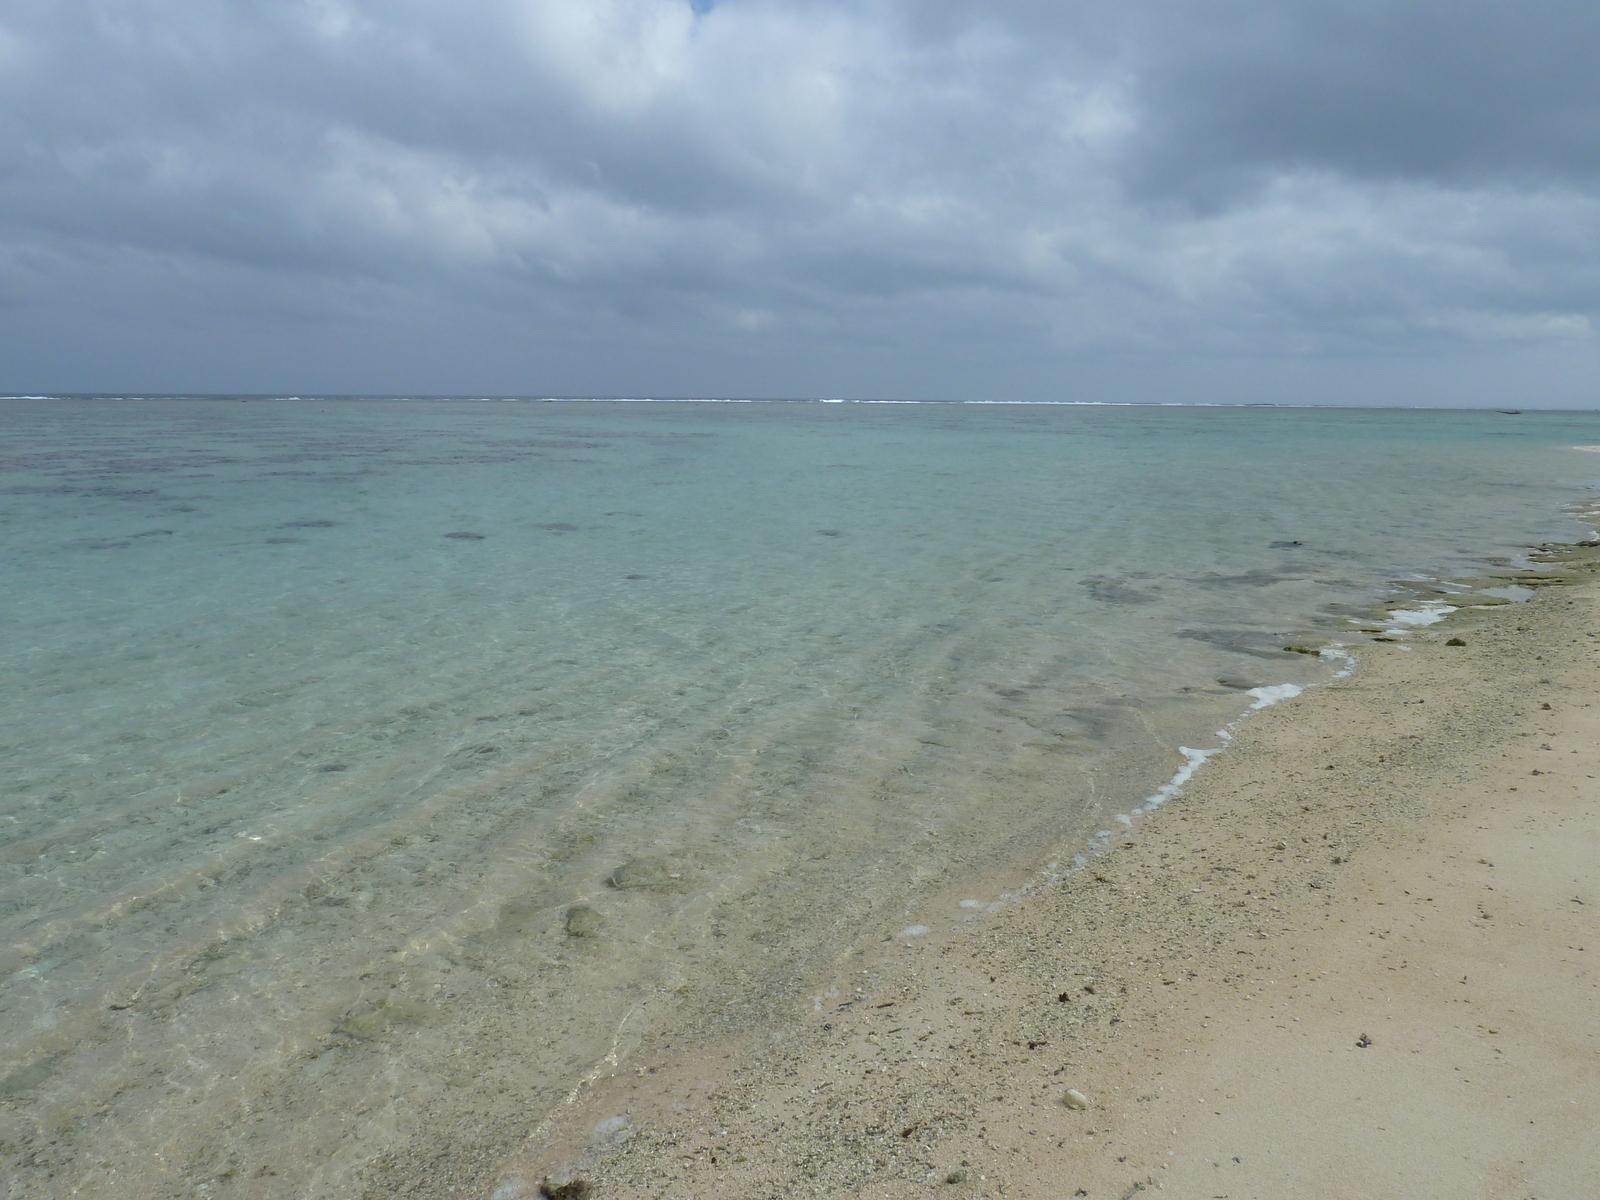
<point x="1341" y="655"/>
<point x="1431" y="613"/>
<point x="1193" y="760"/>
<point x="1271" y="695"/>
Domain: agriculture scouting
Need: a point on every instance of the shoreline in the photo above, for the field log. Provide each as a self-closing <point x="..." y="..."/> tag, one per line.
<point x="1207" y="965"/>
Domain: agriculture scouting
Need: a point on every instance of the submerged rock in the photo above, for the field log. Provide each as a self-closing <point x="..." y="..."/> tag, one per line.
<point x="378" y="1019"/>
<point x="521" y="916"/>
<point x="657" y="874"/>
<point x="29" y="1077"/>
<point x="583" y="922"/>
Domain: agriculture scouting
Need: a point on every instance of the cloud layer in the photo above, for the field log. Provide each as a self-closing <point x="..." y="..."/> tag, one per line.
<point x="791" y="197"/>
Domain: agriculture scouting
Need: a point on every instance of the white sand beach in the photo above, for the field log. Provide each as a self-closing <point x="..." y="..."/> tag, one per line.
<point x="1354" y="958"/>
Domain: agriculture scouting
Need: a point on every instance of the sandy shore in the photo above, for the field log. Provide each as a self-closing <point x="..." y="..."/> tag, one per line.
<point x="1355" y="958"/>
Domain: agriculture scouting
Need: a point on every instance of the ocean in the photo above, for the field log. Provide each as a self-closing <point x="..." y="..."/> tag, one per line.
<point x="377" y="770"/>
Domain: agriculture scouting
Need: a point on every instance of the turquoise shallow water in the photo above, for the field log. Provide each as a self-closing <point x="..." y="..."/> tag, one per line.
<point x="373" y="763"/>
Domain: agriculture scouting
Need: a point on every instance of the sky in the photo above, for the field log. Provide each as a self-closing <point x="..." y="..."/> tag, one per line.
<point x="1254" y="201"/>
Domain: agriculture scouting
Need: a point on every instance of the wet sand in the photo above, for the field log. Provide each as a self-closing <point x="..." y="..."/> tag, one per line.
<point x="1354" y="958"/>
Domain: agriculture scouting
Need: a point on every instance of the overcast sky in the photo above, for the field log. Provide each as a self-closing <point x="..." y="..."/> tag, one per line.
<point x="1359" y="201"/>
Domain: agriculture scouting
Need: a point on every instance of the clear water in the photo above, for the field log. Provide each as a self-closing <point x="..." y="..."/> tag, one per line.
<point x="328" y="725"/>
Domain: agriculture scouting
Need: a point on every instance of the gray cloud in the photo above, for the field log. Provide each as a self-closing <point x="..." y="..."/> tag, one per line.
<point x="801" y="197"/>
<point x="1469" y="93"/>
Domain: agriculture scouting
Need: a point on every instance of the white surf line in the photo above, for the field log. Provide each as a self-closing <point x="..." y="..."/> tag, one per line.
<point x="1193" y="760"/>
<point x="605" y="1066"/>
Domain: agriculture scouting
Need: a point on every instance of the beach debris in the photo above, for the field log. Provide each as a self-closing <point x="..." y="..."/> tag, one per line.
<point x="957" y="1176"/>
<point x="1074" y="1099"/>
<point x="1363" y="1042"/>
<point x="573" y="1189"/>
<point x="583" y="922"/>
<point x="1455" y="641"/>
<point x="923" y="1124"/>
<point x="1281" y="846"/>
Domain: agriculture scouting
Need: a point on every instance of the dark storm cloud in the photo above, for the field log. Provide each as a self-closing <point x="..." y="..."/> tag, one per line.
<point x="785" y="196"/>
<point x="1465" y="93"/>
